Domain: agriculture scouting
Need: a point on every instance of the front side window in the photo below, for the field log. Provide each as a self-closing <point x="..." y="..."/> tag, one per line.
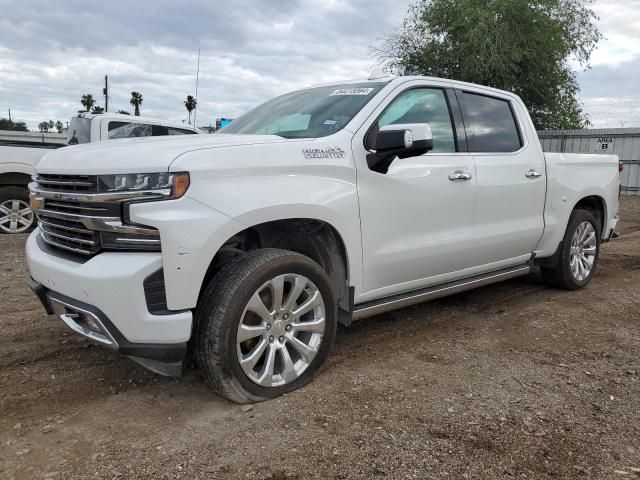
<point x="420" y="105"/>
<point x="490" y="124"/>
<point x="129" y="130"/>
<point x="312" y="113"/>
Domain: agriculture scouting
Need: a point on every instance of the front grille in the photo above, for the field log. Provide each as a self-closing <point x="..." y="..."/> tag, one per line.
<point x="69" y="183"/>
<point x="71" y="221"/>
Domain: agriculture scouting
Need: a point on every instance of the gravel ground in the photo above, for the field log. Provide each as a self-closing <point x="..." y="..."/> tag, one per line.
<point x="509" y="381"/>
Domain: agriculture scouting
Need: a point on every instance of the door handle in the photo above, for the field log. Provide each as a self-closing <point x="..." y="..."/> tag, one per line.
<point x="532" y="174"/>
<point x="460" y="175"/>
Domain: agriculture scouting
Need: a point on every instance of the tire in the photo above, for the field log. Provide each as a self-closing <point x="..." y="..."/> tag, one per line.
<point x="14" y="217"/>
<point x="563" y="275"/>
<point x="226" y="311"/>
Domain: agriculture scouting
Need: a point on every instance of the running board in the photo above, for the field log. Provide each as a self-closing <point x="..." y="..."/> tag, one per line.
<point x="394" y="302"/>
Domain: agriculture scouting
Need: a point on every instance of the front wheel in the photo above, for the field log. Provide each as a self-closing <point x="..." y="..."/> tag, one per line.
<point x="16" y="215"/>
<point x="579" y="253"/>
<point x="265" y="325"/>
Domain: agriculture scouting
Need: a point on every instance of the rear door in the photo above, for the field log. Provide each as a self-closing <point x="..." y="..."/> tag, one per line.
<point x="511" y="178"/>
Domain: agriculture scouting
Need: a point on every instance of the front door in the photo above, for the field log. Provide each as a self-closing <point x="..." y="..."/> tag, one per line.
<point x="417" y="219"/>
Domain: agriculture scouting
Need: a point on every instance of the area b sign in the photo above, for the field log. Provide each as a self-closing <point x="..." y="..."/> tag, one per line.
<point x="602" y="145"/>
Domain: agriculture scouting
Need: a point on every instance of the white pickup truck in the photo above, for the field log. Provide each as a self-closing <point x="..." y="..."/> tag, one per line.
<point x="319" y="207"/>
<point x="18" y="158"/>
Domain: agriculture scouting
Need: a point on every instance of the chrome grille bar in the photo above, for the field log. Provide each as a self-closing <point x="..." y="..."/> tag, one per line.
<point x="67" y="238"/>
<point x="45" y="237"/>
<point x="66" y="183"/>
<point x="76" y="207"/>
<point x="64" y="227"/>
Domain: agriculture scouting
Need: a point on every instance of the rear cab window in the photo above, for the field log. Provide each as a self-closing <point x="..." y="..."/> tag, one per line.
<point x="490" y="123"/>
<point x="132" y="129"/>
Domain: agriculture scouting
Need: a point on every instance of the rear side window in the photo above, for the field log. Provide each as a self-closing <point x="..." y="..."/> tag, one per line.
<point x="128" y="130"/>
<point x="490" y="124"/>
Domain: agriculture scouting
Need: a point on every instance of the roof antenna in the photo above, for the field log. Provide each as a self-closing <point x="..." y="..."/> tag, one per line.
<point x="377" y="71"/>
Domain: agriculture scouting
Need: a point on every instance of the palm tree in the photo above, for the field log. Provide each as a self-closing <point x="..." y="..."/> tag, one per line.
<point x="190" y="103"/>
<point x="59" y="126"/>
<point x="136" y="101"/>
<point x="87" y="101"/>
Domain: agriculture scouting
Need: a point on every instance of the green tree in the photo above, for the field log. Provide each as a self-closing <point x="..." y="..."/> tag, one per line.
<point x="123" y="112"/>
<point x="6" y="124"/>
<point x="136" y="101"/>
<point x="524" y="46"/>
<point x="87" y="102"/>
<point x="97" y="109"/>
<point x="20" y="127"/>
<point x="59" y="126"/>
<point x="43" y="126"/>
<point x="190" y="104"/>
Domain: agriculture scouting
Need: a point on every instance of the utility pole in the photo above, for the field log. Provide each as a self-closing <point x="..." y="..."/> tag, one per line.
<point x="195" y="110"/>
<point x="105" y="91"/>
<point x="9" y="114"/>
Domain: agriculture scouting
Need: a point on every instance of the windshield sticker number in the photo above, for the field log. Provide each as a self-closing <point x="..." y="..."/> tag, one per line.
<point x="352" y="91"/>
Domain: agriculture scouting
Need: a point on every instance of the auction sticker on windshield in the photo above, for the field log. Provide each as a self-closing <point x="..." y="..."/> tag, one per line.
<point x="352" y="91"/>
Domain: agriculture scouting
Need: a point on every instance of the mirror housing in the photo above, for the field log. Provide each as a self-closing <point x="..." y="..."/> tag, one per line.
<point x="399" y="141"/>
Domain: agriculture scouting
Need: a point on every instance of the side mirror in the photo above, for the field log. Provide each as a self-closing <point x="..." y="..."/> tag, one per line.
<point x="399" y="141"/>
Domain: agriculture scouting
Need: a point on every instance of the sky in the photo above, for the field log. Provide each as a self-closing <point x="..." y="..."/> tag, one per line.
<point x="51" y="53"/>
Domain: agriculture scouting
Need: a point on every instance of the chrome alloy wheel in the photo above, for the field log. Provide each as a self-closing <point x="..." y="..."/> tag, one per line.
<point x="16" y="216"/>
<point x="583" y="251"/>
<point x="281" y="330"/>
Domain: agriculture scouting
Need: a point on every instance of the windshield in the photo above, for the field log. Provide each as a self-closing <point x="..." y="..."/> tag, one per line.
<point x="313" y="113"/>
<point x="79" y="131"/>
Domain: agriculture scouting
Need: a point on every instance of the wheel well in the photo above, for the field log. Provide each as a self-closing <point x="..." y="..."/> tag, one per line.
<point x="596" y="206"/>
<point x="14" y="178"/>
<point x="316" y="239"/>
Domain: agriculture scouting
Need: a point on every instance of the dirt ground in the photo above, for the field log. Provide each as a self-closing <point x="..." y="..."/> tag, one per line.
<point x="514" y="380"/>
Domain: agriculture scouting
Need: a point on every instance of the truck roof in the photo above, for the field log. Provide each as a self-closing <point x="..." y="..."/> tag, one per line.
<point x="398" y="79"/>
<point x="132" y="118"/>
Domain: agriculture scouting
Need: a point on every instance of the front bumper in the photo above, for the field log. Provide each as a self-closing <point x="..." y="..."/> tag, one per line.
<point x="103" y="299"/>
<point x="88" y="321"/>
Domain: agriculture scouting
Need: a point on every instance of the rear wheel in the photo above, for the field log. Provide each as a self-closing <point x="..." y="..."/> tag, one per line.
<point x="265" y="325"/>
<point x="16" y="215"/>
<point x="579" y="256"/>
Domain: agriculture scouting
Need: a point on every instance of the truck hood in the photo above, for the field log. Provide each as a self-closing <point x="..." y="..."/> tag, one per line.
<point x="139" y="155"/>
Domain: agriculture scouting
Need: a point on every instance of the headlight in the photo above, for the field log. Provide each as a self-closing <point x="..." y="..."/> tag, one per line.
<point x="164" y="185"/>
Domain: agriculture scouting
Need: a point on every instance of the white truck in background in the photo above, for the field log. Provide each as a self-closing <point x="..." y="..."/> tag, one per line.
<point x="319" y="207"/>
<point x="18" y="158"/>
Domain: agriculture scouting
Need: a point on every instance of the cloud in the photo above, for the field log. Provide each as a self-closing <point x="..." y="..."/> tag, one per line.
<point x="51" y="53"/>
